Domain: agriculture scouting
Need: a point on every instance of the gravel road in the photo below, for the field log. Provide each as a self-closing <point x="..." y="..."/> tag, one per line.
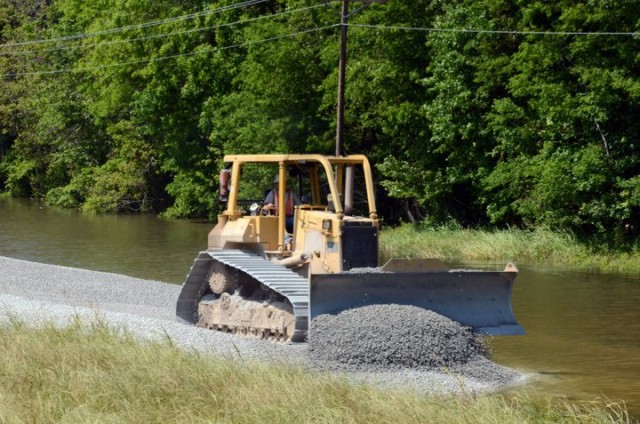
<point x="39" y="293"/>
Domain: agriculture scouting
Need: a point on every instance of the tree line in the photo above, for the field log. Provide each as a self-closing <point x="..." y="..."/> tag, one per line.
<point x="484" y="112"/>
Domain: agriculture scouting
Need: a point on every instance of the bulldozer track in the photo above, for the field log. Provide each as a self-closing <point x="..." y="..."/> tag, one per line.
<point x="273" y="276"/>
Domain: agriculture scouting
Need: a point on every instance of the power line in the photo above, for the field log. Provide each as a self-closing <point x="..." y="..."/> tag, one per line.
<point x="365" y="26"/>
<point x="164" y="35"/>
<point x="255" y="2"/>
<point x="163" y="58"/>
<point x="132" y="27"/>
<point x="485" y="31"/>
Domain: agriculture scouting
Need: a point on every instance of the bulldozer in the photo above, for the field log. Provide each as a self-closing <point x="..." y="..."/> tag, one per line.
<point x="269" y="271"/>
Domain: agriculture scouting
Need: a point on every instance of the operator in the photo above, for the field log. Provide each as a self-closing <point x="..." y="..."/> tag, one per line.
<point x="271" y="203"/>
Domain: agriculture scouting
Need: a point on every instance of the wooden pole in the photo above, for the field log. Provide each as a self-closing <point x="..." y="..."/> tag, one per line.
<point x="344" y="15"/>
<point x="341" y="79"/>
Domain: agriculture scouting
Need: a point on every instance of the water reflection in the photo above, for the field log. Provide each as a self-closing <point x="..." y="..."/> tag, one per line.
<point x="583" y="329"/>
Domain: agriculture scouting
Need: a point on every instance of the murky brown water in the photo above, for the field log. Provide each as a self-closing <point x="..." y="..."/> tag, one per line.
<point x="583" y="329"/>
<point x="583" y="334"/>
<point x="141" y="246"/>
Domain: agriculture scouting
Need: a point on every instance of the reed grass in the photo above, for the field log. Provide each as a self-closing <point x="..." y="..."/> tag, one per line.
<point x="536" y="247"/>
<point x="93" y="373"/>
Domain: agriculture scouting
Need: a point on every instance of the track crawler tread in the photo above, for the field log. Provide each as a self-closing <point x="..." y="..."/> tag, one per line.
<point x="272" y="275"/>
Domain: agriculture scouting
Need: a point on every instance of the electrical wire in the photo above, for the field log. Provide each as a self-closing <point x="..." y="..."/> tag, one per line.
<point x="163" y="58"/>
<point x="163" y="35"/>
<point x="484" y="31"/>
<point x="248" y="3"/>
<point x="255" y="2"/>
<point x="132" y="27"/>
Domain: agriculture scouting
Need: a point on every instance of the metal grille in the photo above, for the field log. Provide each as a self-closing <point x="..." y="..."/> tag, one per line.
<point x="359" y="247"/>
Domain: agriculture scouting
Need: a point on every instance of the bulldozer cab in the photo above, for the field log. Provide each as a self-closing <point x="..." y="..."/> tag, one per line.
<point x="330" y="192"/>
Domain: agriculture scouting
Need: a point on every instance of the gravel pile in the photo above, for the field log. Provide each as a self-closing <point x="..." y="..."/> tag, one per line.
<point x="380" y="337"/>
<point x="39" y="293"/>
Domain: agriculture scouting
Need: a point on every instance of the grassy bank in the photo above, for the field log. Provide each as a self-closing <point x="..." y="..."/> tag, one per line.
<point x="538" y="247"/>
<point x="95" y="374"/>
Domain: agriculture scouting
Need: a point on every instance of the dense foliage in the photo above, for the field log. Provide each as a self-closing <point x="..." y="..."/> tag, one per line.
<point x="528" y="117"/>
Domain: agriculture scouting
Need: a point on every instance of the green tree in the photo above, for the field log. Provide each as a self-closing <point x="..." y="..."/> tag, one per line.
<point x="488" y="112"/>
<point x="572" y="99"/>
<point x="274" y="102"/>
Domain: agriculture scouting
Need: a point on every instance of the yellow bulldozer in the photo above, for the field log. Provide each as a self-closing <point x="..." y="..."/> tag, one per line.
<point x="271" y="267"/>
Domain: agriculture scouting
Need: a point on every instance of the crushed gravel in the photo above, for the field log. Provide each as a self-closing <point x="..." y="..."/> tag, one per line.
<point x="40" y="293"/>
<point x="381" y="337"/>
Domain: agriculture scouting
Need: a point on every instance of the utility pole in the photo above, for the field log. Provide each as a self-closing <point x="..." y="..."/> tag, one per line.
<point x="342" y="66"/>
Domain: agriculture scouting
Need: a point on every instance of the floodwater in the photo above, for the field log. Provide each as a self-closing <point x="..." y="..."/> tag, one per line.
<point x="583" y="334"/>
<point x="583" y="328"/>
<point x="138" y="245"/>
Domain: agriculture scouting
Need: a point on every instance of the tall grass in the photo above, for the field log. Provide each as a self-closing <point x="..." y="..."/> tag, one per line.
<point x="92" y="373"/>
<point x="539" y="247"/>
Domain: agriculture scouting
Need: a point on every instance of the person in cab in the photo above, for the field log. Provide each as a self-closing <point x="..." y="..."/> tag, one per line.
<point x="271" y="202"/>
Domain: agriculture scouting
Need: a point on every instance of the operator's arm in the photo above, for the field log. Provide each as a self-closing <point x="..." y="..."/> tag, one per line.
<point x="269" y="202"/>
<point x="269" y="198"/>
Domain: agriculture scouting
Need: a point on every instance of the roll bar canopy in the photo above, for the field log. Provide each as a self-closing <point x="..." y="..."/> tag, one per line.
<point x="286" y="160"/>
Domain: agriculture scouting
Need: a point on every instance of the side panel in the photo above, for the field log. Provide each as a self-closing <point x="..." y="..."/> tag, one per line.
<point x="479" y="299"/>
<point x="317" y="235"/>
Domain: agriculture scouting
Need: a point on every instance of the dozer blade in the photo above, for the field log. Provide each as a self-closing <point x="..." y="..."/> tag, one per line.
<point x="478" y="299"/>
